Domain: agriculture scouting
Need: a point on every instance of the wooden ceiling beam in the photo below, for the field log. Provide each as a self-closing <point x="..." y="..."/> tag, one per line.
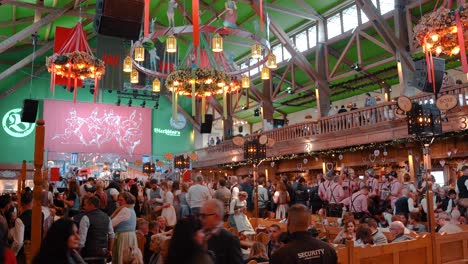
<point x="292" y="12"/>
<point x="14" y="22"/>
<point x="68" y="11"/>
<point x="11" y="41"/>
<point x="310" y="10"/>
<point x="38" y="12"/>
<point x="386" y="32"/>
<point x="20" y="64"/>
<point x="49" y="27"/>
<point x="22" y="82"/>
<point x="299" y="58"/>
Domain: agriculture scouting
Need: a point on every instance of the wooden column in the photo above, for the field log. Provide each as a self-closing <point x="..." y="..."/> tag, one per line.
<point x="21" y="183"/>
<point x="412" y="171"/>
<point x="255" y="177"/>
<point x="267" y="104"/>
<point x="36" y="233"/>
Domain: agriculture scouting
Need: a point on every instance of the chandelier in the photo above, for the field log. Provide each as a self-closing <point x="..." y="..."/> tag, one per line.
<point x="75" y="61"/>
<point x="204" y="71"/>
<point x="442" y="32"/>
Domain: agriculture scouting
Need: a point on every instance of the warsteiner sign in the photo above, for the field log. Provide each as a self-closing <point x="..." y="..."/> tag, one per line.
<point x="13" y="126"/>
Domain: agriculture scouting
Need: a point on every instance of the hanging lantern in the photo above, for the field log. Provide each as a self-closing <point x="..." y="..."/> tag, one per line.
<point x="171" y="44"/>
<point x="265" y="73"/>
<point x="217" y="43"/>
<point x="271" y="62"/>
<point x="245" y="81"/>
<point x="139" y="53"/>
<point x="134" y="76"/>
<point x="156" y="86"/>
<point x="127" y="65"/>
<point x="256" y="51"/>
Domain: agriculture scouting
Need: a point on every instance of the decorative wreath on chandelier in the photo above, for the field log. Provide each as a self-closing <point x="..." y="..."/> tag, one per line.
<point x="437" y="31"/>
<point x="76" y="64"/>
<point x="208" y="81"/>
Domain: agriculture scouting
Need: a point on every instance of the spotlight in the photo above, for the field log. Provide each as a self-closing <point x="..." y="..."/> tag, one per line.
<point x="130" y="102"/>
<point x="143" y="104"/>
<point x="257" y="112"/>
<point x="355" y="66"/>
<point x="289" y="90"/>
<point x="244" y="107"/>
<point x="118" y="102"/>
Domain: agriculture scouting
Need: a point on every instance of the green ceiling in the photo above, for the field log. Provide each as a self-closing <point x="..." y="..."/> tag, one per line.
<point x="247" y="19"/>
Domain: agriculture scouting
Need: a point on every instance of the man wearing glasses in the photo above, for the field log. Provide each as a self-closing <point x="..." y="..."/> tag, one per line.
<point x="224" y="245"/>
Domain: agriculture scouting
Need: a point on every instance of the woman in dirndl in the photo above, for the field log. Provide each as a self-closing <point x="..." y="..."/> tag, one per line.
<point x="168" y="210"/>
<point x="124" y="223"/>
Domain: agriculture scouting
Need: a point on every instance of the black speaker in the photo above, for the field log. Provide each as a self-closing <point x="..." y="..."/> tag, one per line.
<point x="29" y="111"/>
<point x="241" y="129"/>
<point x="206" y="127"/>
<point x="420" y="80"/>
<point x="119" y="18"/>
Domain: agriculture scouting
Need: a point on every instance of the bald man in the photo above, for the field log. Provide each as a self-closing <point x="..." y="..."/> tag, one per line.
<point x="397" y="228"/>
<point x="302" y="247"/>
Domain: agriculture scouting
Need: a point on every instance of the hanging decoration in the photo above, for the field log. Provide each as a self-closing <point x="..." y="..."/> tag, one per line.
<point x="442" y="32"/>
<point x="201" y="72"/>
<point x="73" y="64"/>
<point x="196" y="23"/>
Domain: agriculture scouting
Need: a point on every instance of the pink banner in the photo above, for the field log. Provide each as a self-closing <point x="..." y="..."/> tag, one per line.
<point x="97" y="128"/>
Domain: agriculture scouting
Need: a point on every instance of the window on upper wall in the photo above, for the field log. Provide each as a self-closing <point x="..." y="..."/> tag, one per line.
<point x="286" y="54"/>
<point x="312" y="36"/>
<point x="254" y="71"/>
<point x="301" y="41"/>
<point x="333" y="26"/>
<point x="386" y="6"/>
<point x="278" y="53"/>
<point x="350" y="19"/>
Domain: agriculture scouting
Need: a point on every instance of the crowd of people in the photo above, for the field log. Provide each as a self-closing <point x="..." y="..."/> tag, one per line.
<point x="170" y="222"/>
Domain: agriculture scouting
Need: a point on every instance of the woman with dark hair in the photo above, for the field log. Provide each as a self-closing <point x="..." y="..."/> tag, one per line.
<point x="7" y="255"/>
<point x="363" y="236"/>
<point x="188" y="238"/>
<point x="60" y="244"/>
<point x="73" y="199"/>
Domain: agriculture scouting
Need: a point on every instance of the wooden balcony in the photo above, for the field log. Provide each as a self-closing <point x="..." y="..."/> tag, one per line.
<point x="363" y="126"/>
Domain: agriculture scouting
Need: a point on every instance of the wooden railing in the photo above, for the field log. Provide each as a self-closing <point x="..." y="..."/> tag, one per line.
<point x="425" y="249"/>
<point x="364" y="117"/>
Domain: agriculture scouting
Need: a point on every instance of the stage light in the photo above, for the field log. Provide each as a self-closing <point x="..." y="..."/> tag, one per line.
<point x="257" y="112"/>
<point x="244" y="107"/>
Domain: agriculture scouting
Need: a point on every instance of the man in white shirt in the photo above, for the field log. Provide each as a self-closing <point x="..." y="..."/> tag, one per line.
<point x="197" y="194"/>
<point x="23" y="227"/>
<point x="462" y="188"/>
<point x="96" y="231"/>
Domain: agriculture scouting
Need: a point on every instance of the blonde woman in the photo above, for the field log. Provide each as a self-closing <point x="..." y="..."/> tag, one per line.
<point x="168" y="210"/>
<point x="237" y="210"/>
<point x="257" y="253"/>
<point x="281" y="199"/>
